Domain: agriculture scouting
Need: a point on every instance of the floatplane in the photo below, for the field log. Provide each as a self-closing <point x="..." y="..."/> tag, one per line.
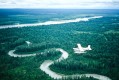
<point x="81" y="49"/>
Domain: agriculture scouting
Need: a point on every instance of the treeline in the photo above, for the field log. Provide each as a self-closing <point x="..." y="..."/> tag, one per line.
<point x="35" y="47"/>
<point x="18" y="42"/>
<point x="70" y="67"/>
<point x="50" y="54"/>
<point x="78" y="78"/>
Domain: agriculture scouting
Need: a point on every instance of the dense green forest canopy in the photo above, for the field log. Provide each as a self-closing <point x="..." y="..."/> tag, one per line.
<point x="101" y="34"/>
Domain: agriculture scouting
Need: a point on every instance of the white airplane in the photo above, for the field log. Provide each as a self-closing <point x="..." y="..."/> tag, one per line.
<point x="81" y="49"/>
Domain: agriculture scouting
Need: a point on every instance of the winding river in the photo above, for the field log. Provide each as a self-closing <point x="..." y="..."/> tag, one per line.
<point x="45" y="66"/>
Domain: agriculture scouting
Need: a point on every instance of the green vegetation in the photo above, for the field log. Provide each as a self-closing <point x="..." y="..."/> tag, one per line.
<point x="78" y="78"/>
<point x="36" y="47"/>
<point x="103" y="59"/>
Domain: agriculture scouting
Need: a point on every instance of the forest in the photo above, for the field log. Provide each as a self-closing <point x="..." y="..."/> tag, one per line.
<point x="99" y="33"/>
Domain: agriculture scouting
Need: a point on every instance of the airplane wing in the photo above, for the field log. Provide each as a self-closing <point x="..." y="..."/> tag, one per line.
<point x="80" y="47"/>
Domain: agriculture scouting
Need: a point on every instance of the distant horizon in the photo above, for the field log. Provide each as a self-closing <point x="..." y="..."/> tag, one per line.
<point x="62" y="8"/>
<point x="59" y="4"/>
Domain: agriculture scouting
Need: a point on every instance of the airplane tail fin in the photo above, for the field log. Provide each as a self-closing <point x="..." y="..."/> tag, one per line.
<point x="89" y="48"/>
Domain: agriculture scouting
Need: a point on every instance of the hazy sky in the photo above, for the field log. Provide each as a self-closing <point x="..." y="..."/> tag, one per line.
<point x="80" y="4"/>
